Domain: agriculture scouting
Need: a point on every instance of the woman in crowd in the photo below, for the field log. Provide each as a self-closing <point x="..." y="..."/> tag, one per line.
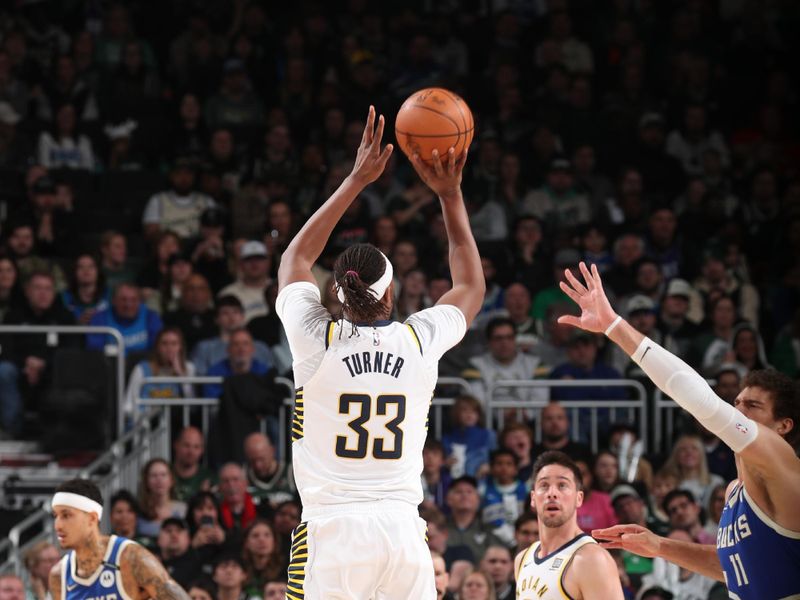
<point x="87" y="292"/>
<point x="412" y="294"/>
<point x="38" y="562"/>
<point x="156" y="493"/>
<point x="477" y="586"/>
<point x="124" y="516"/>
<point x="748" y="348"/>
<point x="10" y="293"/>
<point x="716" y="502"/>
<point x="262" y="556"/>
<point x="202" y="515"/>
<point x="155" y="271"/>
<point x="688" y="464"/>
<point x="605" y="470"/>
<point x="64" y="146"/>
<point x="167" y="359"/>
<point x="596" y="511"/>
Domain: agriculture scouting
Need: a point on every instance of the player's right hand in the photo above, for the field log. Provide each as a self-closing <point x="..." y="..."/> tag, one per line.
<point x="443" y="179"/>
<point x="633" y="538"/>
<point x="596" y="312"/>
<point x="370" y="160"/>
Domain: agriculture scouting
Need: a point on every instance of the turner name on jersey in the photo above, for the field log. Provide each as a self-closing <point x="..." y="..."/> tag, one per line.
<point x="384" y="363"/>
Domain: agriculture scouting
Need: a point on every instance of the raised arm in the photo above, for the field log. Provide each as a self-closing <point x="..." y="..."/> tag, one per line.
<point x="700" y="558"/>
<point x="145" y="571"/>
<point x="307" y="245"/>
<point x="767" y="457"/>
<point x="469" y="286"/>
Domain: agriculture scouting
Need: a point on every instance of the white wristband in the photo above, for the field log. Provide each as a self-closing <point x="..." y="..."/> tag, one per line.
<point x="614" y="323"/>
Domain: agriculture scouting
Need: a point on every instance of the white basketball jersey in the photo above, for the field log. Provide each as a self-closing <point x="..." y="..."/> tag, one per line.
<point x="362" y="400"/>
<point x="542" y="578"/>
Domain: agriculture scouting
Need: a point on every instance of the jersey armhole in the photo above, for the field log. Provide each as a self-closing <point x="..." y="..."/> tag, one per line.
<point x="568" y="562"/>
<point x="416" y="337"/>
<point x="329" y="334"/>
<point x="522" y="561"/>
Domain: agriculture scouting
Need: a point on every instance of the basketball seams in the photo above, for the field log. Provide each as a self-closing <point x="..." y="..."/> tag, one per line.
<point x="457" y="101"/>
<point x="440" y="113"/>
<point x="426" y="122"/>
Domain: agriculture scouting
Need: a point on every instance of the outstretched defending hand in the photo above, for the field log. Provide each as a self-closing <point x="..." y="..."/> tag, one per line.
<point x="633" y="538"/>
<point x="596" y="312"/>
<point x="445" y="180"/>
<point x="370" y="160"/>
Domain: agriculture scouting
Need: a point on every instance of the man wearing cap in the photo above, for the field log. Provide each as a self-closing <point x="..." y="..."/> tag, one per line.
<point x="179" y="208"/>
<point x="235" y="106"/>
<point x="99" y="566"/>
<point x="208" y="253"/>
<point x="464" y="525"/>
<point x="178" y="558"/>
<point x="641" y="312"/>
<point x="677" y="329"/>
<point x="252" y="281"/>
<point x="558" y="202"/>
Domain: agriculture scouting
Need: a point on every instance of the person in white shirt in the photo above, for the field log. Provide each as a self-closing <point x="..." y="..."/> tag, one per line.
<point x="253" y="280"/>
<point x="364" y="385"/>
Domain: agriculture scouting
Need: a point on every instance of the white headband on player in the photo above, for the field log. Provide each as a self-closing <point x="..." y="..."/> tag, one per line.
<point x="377" y="289"/>
<point x="77" y="501"/>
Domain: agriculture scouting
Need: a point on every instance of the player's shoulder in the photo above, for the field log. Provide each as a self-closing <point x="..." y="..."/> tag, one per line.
<point x="592" y="558"/>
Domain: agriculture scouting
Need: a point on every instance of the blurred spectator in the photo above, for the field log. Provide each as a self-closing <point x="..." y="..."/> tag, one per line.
<point x="26" y="361"/>
<point x="230" y="577"/>
<point x="191" y="476"/>
<point x="665" y="244"/>
<point x="469" y="443"/>
<point x="137" y="324"/>
<point x="201" y="590"/>
<point x="526" y="532"/>
<point x="124" y="515"/>
<point x="156" y="497"/>
<point x="179" y="208"/>
<point x="10" y="292"/>
<point x="660" y="169"/>
<point x="559" y="203"/>
<point x="688" y="463"/>
<point x="189" y="133"/>
<point x="477" y="586"/>
<point x="594" y="242"/>
<point x="156" y="271"/>
<point x="748" y="349"/>
<point x="503" y="495"/>
<point x="268" y="329"/>
<point x="690" y="142"/>
<point x="177" y="556"/>
<point x="464" y="525"/>
<point x="132" y="89"/>
<point x="286" y="520"/>
<point x="712" y="347"/>
<point x="87" y="292"/>
<point x="505" y="361"/>
<point x="240" y="359"/>
<point x="275" y="590"/>
<point x="785" y="353"/>
<point x="253" y="279"/>
<point x="518" y="438"/>
<point x="628" y="249"/>
<point x="436" y="476"/>
<point x="641" y="311"/>
<point x="605" y="471"/>
<point x="229" y="318"/>
<point x="663" y="483"/>
<point x="716" y="278"/>
<point x="596" y="511"/>
<point x="209" y="253"/>
<point x="195" y="314"/>
<point x="38" y="560"/>
<point x="51" y="209"/>
<point x="498" y="564"/>
<point x="440" y="575"/>
<point x="583" y="364"/>
<point x="208" y="536"/>
<point x="684" y="514"/>
<point x="531" y="264"/>
<point x="237" y="510"/>
<point x="11" y="587"/>
<point x="683" y="583"/>
<point x="674" y="322"/>
<point x="518" y="304"/>
<point x="567" y="258"/>
<point x="15" y="146"/>
<point x="648" y="279"/>
<point x="115" y="265"/>
<point x="270" y="480"/>
<point x="167" y="359"/>
<point x="22" y="249"/>
<point x="458" y="558"/>
<point x="262" y="556"/>
<point x="235" y="106"/>
<point x="630" y="509"/>
<point x="65" y="146"/>
<point x="716" y="504"/>
<point x="167" y="297"/>
<point x="555" y="435"/>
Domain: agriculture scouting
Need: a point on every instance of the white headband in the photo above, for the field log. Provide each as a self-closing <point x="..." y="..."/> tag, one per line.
<point x="77" y="501"/>
<point x="377" y="289"/>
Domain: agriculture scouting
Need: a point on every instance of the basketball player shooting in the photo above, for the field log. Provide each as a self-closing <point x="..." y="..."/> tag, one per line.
<point x="757" y="553"/>
<point x="101" y="567"/>
<point x="364" y="386"/>
<point x="565" y="562"/>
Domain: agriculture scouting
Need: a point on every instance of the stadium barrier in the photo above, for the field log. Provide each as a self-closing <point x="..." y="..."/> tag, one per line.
<point x="117" y="349"/>
<point x="635" y="408"/>
<point x="119" y="467"/>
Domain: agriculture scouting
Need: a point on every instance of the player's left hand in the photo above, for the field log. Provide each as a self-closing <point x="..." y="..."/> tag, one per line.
<point x="370" y="159"/>
<point x="596" y="312"/>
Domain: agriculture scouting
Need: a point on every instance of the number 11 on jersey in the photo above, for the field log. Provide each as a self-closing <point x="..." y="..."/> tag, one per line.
<point x="738" y="569"/>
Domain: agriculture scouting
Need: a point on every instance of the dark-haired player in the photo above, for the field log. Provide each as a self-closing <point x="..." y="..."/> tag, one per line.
<point x="101" y="567"/>
<point x="364" y="389"/>
<point x="758" y="542"/>
<point x="565" y="562"/>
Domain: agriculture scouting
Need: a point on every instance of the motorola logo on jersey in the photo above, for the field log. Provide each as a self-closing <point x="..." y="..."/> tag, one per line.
<point x="107" y="579"/>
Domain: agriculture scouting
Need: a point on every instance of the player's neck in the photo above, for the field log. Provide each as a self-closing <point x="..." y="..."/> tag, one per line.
<point x="552" y="538"/>
<point x="229" y="593"/>
<point x="90" y="553"/>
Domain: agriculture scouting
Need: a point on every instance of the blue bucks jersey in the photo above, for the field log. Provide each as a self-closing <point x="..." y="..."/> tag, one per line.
<point x="761" y="559"/>
<point x="104" y="584"/>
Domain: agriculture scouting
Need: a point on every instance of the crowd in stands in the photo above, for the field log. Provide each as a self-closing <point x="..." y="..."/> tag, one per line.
<point x="157" y="158"/>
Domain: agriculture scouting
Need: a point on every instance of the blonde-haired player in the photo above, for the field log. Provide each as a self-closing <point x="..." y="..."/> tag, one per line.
<point x="565" y="562"/>
<point x="364" y="385"/>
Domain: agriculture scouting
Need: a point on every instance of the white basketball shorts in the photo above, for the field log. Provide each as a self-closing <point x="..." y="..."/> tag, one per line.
<point x="363" y="551"/>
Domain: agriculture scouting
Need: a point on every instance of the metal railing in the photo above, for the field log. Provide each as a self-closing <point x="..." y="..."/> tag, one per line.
<point x="117" y="468"/>
<point x="84" y="329"/>
<point x="664" y="409"/>
<point x="573" y="406"/>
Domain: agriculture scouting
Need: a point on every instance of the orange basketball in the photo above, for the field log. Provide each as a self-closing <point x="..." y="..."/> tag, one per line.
<point x="434" y="118"/>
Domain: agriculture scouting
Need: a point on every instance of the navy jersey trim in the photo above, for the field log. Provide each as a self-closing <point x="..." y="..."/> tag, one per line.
<point x="539" y="561"/>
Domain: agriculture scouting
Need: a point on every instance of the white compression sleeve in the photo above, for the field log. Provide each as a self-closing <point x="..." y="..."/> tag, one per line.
<point x="682" y="383"/>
